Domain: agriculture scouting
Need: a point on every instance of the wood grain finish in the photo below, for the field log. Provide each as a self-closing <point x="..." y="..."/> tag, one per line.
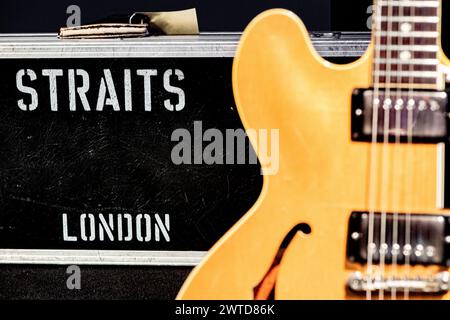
<point x="280" y="82"/>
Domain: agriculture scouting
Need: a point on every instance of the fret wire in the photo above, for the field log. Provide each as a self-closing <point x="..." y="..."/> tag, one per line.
<point x="425" y="19"/>
<point x="403" y="74"/>
<point x="412" y="47"/>
<point x="414" y="34"/>
<point x="416" y="61"/>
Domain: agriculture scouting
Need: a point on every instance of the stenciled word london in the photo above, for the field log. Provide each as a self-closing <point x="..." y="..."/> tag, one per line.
<point x="122" y="227"/>
<point x="78" y="90"/>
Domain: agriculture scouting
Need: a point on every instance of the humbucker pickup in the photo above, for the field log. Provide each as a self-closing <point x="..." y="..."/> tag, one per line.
<point x="399" y="116"/>
<point x="416" y="239"/>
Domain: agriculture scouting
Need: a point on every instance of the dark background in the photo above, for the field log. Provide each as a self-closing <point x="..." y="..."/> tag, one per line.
<point x="230" y="15"/>
<point x="352" y="15"/>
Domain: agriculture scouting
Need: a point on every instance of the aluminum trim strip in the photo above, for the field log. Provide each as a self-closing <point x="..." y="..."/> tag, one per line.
<point x="101" y="257"/>
<point x="14" y="46"/>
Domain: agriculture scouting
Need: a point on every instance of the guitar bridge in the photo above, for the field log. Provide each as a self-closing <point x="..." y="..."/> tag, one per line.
<point x="437" y="284"/>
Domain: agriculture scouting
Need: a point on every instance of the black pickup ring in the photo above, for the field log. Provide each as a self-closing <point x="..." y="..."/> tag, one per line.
<point x="401" y="116"/>
<point x="425" y="242"/>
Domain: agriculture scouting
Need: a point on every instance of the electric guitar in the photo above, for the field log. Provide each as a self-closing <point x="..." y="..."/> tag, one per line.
<point x="355" y="210"/>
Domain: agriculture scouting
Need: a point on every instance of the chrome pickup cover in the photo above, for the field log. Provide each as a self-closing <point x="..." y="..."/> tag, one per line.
<point x="419" y="116"/>
<point x="418" y="239"/>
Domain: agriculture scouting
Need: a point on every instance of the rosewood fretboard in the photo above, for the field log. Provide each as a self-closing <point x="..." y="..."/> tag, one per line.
<point x="406" y="44"/>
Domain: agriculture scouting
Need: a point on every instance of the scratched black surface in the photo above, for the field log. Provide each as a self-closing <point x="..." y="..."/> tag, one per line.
<point x="117" y="162"/>
<point x="97" y="282"/>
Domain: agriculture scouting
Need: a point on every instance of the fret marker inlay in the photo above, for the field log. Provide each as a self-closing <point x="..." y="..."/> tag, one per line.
<point x="406" y="27"/>
<point x="405" y="55"/>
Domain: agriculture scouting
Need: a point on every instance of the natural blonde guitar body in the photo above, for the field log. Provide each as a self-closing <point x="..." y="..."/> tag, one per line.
<point x="280" y="82"/>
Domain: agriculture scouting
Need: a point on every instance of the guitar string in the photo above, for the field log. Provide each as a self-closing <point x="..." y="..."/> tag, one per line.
<point x="409" y="250"/>
<point x="439" y="75"/>
<point x="440" y="78"/>
<point x="373" y="151"/>
<point x="387" y="106"/>
<point x="424" y="252"/>
<point x="410" y="160"/>
<point x="399" y="105"/>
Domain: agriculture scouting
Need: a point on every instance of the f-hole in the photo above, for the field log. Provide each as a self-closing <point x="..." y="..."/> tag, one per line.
<point x="265" y="290"/>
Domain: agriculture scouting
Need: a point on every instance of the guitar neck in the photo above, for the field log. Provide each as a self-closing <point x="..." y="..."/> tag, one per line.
<point x="406" y="43"/>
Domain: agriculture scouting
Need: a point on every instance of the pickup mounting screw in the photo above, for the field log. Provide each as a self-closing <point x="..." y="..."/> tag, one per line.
<point x="419" y="250"/>
<point x="384" y="248"/>
<point x="395" y="249"/>
<point x="387" y="104"/>
<point x="399" y="104"/>
<point x="411" y="104"/>
<point x="372" y="248"/>
<point x="422" y="105"/>
<point x="407" y="248"/>
<point x="434" y="105"/>
<point x="430" y="251"/>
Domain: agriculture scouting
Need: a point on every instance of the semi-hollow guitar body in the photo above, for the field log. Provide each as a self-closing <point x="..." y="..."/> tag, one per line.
<point x="324" y="177"/>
